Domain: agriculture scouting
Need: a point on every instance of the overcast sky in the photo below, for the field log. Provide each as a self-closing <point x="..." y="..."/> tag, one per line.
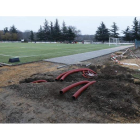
<point x="87" y="24"/>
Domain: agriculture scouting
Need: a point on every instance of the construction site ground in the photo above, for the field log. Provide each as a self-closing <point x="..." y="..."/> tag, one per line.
<point x="114" y="98"/>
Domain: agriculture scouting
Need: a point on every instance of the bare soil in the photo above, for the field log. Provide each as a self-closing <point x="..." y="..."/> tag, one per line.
<point x="114" y="98"/>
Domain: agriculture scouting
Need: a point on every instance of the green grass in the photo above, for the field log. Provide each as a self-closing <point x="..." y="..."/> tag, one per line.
<point x="136" y="75"/>
<point x="28" y="52"/>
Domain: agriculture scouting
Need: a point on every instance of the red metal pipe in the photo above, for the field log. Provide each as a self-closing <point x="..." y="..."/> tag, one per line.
<point x="72" y="86"/>
<point x="82" y="89"/>
<point x="76" y="70"/>
<point x="39" y="81"/>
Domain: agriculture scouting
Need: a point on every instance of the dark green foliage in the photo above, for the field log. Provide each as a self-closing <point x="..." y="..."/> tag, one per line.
<point x="13" y="29"/>
<point x="46" y="31"/>
<point x="135" y="29"/>
<point x="51" y="32"/>
<point x="5" y="30"/>
<point x="102" y="33"/>
<point x="114" y="30"/>
<point x="54" y="33"/>
<point x="64" y="34"/>
<point x="40" y="34"/>
<point x="32" y="36"/>
<point x="71" y="35"/>
<point x="57" y="32"/>
<point x="127" y="34"/>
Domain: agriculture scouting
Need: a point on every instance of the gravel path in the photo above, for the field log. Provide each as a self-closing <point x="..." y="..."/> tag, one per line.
<point x="73" y="59"/>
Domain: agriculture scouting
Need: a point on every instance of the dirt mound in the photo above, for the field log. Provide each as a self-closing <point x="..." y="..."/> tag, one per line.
<point x="112" y="94"/>
<point x="113" y="97"/>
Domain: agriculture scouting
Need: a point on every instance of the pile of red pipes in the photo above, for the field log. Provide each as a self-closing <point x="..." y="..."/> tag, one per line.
<point x="87" y="73"/>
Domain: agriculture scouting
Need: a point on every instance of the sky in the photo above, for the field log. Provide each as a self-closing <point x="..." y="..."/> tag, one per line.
<point x="87" y="24"/>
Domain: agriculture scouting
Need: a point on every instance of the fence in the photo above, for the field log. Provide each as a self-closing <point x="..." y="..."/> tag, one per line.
<point x="137" y="43"/>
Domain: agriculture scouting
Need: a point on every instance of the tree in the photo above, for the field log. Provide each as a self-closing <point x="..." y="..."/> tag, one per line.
<point x="14" y="36"/>
<point x="6" y="30"/>
<point x="75" y="31"/>
<point x="40" y="35"/>
<point x="31" y="36"/>
<point x="7" y="36"/>
<point x="71" y="35"/>
<point x="64" y="35"/>
<point x="1" y="33"/>
<point x="102" y="33"/>
<point x="135" y="29"/>
<point x="46" y="30"/>
<point x="127" y="34"/>
<point x="139" y="29"/>
<point x="13" y="29"/>
<point x="51" y="32"/>
<point x="114" y="30"/>
<point x="57" y="32"/>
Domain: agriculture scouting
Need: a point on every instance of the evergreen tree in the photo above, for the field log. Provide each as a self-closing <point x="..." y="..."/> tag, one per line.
<point x="102" y="33"/>
<point x="5" y="30"/>
<point x="13" y="29"/>
<point x="135" y="29"/>
<point x="127" y="34"/>
<point x="46" y="31"/>
<point x="114" y="30"/>
<point x="51" y="32"/>
<point x="31" y="36"/>
<point x="40" y="34"/>
<point x="64" y="32"/>
<point x="139" y="30"/>
<point x="71" y="35"/>
<point x="57" y="32"/>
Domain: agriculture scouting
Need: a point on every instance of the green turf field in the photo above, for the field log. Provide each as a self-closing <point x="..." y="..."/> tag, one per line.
<point x="28" y="52"/>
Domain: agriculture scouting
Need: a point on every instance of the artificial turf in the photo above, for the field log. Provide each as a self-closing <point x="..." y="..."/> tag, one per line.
<point x="28" y="52"/>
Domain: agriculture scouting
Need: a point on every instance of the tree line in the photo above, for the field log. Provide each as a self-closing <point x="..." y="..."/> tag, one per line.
<point x="47" y="32"/>
<point x="129" y="34"/>
<point x="9" y="35"/>
<point x="54" y="32"/>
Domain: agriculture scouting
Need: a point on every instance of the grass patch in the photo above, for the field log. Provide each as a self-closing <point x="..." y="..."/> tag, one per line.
<point x="136" y="75"/>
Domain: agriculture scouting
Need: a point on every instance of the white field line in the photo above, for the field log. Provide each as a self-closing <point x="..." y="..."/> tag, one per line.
<point x="5" y="55"/>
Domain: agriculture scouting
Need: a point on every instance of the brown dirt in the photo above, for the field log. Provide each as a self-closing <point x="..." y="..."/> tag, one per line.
<point x="12" y="75"/>
<point x="133" y="61"/>
<point x="114" y="98"/>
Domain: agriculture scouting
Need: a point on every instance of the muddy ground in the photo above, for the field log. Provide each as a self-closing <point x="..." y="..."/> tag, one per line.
<point x="114" y="98"/>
